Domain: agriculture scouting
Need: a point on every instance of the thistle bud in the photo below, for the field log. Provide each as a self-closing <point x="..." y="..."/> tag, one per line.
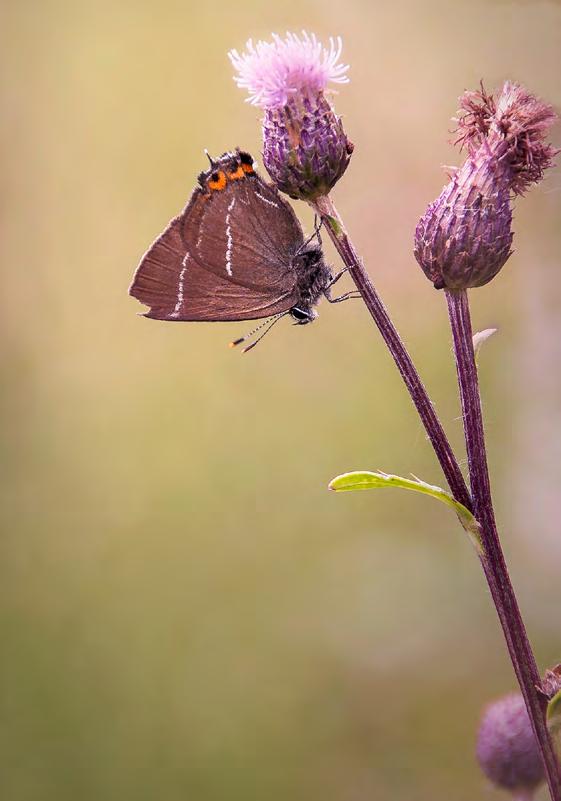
<point x="507" y="750"/>
<point x="305" y="149"/>
<point x="465" y="236"/>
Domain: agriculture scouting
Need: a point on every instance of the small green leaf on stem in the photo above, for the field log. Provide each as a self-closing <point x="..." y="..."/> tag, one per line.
<point x="480" y="337"/>
<point x="361" y="480"/>
<point x="554" y="720"/>
<point x="333" y="224"/>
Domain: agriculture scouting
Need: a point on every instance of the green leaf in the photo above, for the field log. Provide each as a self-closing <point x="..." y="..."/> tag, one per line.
<point x="333" y="224"/>
<point x="480" y="337"/>
<point x="554" y="720"/>
<point x="362" y="480"/>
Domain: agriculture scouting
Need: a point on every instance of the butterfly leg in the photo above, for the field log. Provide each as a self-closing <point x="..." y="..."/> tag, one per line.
<point x="317" y="229"/>
<point x="341" y="298"/>
<point x="337" y="276"/>
<point x="315" y="235"/>
<point x="346" y="295"/>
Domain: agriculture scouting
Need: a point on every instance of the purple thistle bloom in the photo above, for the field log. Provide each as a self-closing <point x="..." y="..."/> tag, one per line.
<point x="465" y="236"/>
<point x="305" y="149"/>
<point x="273" y="71"/>
<point x="507" y="750"/>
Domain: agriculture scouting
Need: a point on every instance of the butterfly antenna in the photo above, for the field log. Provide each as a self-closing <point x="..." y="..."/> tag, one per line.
<point x="270" y="322"/>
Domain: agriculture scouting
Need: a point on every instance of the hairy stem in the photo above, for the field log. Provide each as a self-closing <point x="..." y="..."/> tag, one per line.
<point x="493" y="559"/>
<point x="325" y="208"/>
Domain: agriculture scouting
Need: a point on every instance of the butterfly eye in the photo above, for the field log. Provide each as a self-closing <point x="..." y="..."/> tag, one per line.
<point x="217" y="180"/>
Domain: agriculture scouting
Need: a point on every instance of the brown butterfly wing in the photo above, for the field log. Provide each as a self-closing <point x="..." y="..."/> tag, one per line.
<point x="248" y="234"/>
<point x="227" y="261"/>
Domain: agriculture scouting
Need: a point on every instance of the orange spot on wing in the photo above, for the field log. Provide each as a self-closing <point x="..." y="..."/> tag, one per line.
<point x="220" y="182"/>
<point x="239" y="173"/>
<point x="247" y="168"/>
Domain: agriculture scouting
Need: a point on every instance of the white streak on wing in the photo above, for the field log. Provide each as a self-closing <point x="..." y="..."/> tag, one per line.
<point x="229" y="237"/>
<point x="265" y="200"/>
<point x="177" y="309"/>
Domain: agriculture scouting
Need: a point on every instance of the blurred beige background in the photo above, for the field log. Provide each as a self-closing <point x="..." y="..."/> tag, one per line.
<point x="186" y="612"/>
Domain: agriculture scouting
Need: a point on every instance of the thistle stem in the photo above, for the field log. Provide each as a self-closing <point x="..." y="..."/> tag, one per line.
<point x="325" y="208"/>
<point x="492" y="559"/>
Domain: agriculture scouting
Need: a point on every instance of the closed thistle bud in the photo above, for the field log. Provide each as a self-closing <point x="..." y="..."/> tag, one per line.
<point x="465" y="236"/>
<point x="305" y="149"/>
<point x="507" y="750"/>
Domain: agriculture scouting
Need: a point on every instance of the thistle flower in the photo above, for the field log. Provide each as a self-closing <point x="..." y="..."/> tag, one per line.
<point x="507" y="750"/>
<point x="305" y="149"/>
<point x="465" y="236"/>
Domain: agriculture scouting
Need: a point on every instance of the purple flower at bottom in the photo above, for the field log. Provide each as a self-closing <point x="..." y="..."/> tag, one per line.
<point x="507" y="750"/>
<point x="305" y="149"/>
<point x="464" y="238"/>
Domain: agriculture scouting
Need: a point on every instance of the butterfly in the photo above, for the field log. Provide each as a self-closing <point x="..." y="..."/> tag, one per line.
<point x="236" y="252"/>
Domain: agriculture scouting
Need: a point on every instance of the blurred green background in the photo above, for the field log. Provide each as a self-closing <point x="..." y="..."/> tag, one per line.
<point x="186" y="612"/>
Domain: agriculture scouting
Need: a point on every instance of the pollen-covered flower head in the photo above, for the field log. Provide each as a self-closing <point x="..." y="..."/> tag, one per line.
<point x="305" y="148"/>
<point x="465" y="236"/>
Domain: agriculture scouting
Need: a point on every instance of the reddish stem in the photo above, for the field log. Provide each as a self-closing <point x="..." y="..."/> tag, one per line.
<point x="325" y="208"/>
<point x="493" y="560"/>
